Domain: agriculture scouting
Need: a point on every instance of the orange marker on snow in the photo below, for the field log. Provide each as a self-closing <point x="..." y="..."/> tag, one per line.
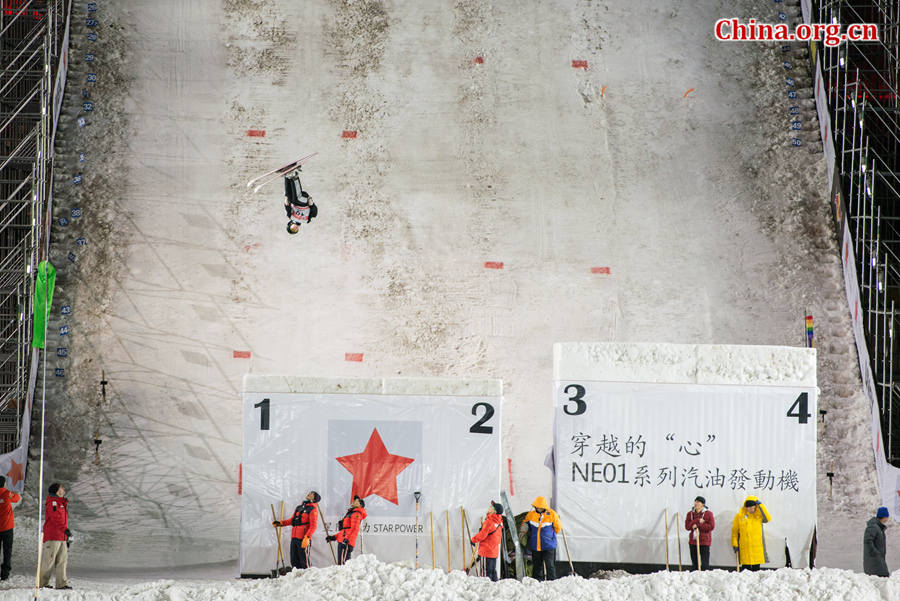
<point x="688" y="92"/>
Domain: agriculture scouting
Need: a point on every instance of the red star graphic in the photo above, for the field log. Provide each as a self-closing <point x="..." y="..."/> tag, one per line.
<point x="375" y="470"/>
<point x="15" y="471"/>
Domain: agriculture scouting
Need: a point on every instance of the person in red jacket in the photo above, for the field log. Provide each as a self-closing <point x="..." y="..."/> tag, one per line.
<point x="348" y="529"/>
<point x="488" y="539"/>
<point x="55" y="552"/>
<point x="303" y="524"/>
<point x="700" y="522"/>
<point x="7" y="498"/>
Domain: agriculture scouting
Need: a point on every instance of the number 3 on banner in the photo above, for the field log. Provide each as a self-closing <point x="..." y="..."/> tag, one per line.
<point x="577" y="392"/>
<point x="800" y="409"/>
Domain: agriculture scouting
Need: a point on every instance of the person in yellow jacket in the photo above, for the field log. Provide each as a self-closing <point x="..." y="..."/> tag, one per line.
<point x="541" y="524"/>
<point x="747" y="533"/>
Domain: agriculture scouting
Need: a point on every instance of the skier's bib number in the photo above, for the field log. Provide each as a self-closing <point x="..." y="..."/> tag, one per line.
<point x="300" y="214"/>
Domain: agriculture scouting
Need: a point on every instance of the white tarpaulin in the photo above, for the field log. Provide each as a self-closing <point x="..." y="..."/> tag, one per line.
<point x="383" y="447"/>
<point x="626" y="452"/>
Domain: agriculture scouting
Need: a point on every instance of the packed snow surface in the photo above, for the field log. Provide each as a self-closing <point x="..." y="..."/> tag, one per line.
<point x="365" y="578"/>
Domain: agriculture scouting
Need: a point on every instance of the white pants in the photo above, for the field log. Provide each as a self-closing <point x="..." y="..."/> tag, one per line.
<point x="54" y="554"/>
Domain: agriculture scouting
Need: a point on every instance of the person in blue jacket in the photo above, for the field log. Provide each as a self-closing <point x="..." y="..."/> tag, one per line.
<point x="542" y="524"/>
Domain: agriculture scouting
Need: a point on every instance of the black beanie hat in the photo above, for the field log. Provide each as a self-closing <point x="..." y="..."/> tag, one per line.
<point x="316" y="496"/>
<point x="54" y="488"/>
<point x="701" y="499"/>
<point x="497" y="507"/>
<point x="361" y="502"/>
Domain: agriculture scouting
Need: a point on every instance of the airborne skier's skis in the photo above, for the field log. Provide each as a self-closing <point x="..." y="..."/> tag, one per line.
<point x="266" y="178"/>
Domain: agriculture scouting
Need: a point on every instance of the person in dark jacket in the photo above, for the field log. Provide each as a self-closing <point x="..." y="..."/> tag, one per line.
<point x="489" y="539"/>
<point x="875" y="544"/>
<point x="303" y="524"/>
<point x="298" y="204"/>
<point x="55" y="550"/>
<point x="348" y="530"/>
<point x="700" y="522"/>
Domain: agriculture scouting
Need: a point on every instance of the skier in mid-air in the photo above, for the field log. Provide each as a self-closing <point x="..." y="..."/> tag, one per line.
<point x="298" y="204"/>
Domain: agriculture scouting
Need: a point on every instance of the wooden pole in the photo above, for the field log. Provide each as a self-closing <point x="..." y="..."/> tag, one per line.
<point x="462" y="535"/>
<point x="330" y="544"/>
<point x="697" y="541"/>
<point x="280" y="545"/>
<point x="449" y="568"/>
<point x="431" y="519"/>
<point x="566" y="544"/>
<point x="667" y="538"/>
<point x="678" y="539"/>
<point x="278" y="536"/>
<point x="737" y="560"/>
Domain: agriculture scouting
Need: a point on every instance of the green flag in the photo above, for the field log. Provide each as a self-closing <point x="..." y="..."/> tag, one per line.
<point x="43" y="300"/>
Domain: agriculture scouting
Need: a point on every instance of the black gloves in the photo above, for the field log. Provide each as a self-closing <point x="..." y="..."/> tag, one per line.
<point x="330" y="538"/>
<point x="68" y="533"/>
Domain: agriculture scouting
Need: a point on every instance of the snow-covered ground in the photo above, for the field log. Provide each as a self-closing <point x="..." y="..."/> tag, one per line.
<point x="367" y="578"/>
<point x="712" y="227"/>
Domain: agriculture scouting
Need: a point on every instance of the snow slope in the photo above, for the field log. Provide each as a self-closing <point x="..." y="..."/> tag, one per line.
<point x="713" y="228"/>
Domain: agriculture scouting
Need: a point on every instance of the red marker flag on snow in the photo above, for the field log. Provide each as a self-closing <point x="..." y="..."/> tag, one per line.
<point x="375" y="470"/>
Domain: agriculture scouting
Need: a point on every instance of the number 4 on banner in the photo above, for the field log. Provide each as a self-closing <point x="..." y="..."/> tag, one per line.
<point x="802" y="408"/>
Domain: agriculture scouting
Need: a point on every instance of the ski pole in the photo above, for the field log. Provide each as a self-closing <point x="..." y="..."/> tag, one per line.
<point x="330" y="544"/>
<point x="678" y="540"/>
<point x="417" y="494"/>
<point x="667" y="538"/>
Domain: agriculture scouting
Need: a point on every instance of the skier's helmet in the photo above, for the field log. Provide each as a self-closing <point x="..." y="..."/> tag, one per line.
<point x="293" y="228"/>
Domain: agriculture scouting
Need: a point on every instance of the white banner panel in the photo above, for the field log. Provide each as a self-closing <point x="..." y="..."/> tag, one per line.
<point x="382" y="447"/>
<point x="626" y="452"/>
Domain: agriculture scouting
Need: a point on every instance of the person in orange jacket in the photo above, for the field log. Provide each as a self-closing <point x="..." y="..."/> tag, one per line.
<point x="7" y="522"/>
<point x="488" y="539"/>
<point x="303" y="524"/>
<point x="541" y="524"/>
<point x="348" y="529"/>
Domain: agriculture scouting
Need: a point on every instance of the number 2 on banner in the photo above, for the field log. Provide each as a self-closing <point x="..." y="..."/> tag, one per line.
<point x="800" y="409"/>
<point x="478" y="427"/>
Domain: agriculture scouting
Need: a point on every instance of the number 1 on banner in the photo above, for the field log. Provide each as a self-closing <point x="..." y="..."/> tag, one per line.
<point x="263" y="413"/>
<point x="801" y="405"/>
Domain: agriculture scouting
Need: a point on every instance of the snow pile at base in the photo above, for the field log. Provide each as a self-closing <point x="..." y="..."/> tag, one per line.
<point x="365" y="578"/>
